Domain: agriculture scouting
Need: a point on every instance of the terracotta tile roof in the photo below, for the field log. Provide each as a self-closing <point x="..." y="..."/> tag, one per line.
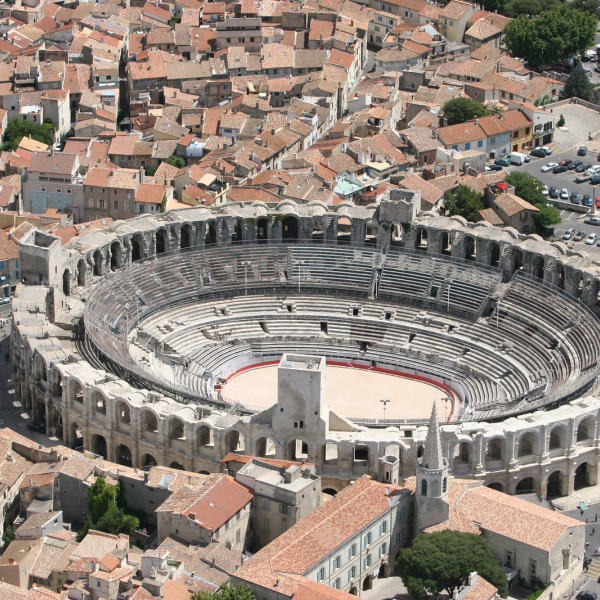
<point x="429" y="193"/>
<point x="488" y="214"/>
<point x="509" y="120"/>
<point x="11" y="592"/>
<point x="243" y="458"/>
<point x="58" y="163"/>
<point x="513" y="205"/>
<point x="461" y="133"/>
<point x="455" y="9"/>
<point x="479" y="590"/>
<point x="151" y="193"/>
<point x="319" y="534"/>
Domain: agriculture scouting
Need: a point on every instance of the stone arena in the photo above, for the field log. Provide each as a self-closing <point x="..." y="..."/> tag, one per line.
<point x="125" y="339"/>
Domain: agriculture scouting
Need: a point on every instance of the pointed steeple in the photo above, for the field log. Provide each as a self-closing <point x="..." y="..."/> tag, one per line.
<point x="433" y="458"/>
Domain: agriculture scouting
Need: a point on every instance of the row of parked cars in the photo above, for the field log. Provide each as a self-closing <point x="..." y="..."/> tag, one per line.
<point x="563" y="194"/>
<point x="591" y="239"/>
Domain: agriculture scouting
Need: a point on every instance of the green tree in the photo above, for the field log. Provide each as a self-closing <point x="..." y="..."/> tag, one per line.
<point x="527" y="187"/>
<point x="106" y="511"/>
<point x="577" y="85"/>
<point x="9" y="534"/>
<point x="530" y="8"/>
<point x="227" y="592"/>
<point x="176" y="161"/>
<point x="530" y="188"/>
<point x="441" y="562"/>
<point x="464" y="202"/>
<point x="16" y="129"/>
<point x="561" y="121"/>
<point x="588" y="6"/>
<point x="551" y="36"/>
<point x="459" y="110"/>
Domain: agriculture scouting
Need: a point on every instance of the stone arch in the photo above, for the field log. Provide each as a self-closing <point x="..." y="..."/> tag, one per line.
<point x="148" y="461"/>
<point x="361" y="453"/>
<point x="495" y="485"/>
<point x="149" y="422"/>
<point x="525" y="485"/>
<point x="371" y="232"/>
<point x="81" y="272"/>
<point x="367" y="583"/>
<point x="116" y="256"/>
<point x="557" y="437"/>
<point x="556" y="484"/>
<point x="330" y="453"/>
<point x="528" y="444"/>
<point x="445" y="243"/>
<point x="66" y="282"/>
<point x="470" y="247"/>
<point x="330" y="491"/>
<point x="423" y="487"/>
<point x="539" y="266"/>
<point x="238" y="232"/>
<point x="266" y="447"/>
<point x="421" y="239"/>
<point x="394" y="449"/>
<point x="75" y="391"/>
<point x="517" y="259"/>
<point x="262" y="230"/>
<point x="494" y="449"/>
<point x="560" y="275"/>
<point x="98" y="263"/>
<point x="494" y="254"/>
<point x="98" y="403"/>
<point x="175" y="465"/>
<point x="39" y="365"/>
<point x="463" y="453"/>
<point x="586" y="429"/>
<point x="578" y="285"/>
<point x="58" y="387"/>
<point x="176" y="429"/>
<point x="75" y="436"/>
<point x="210" y="236"/>
<point x="138" y="248"/>
<point x="317" y="232"/>
<point x="344" y="230"/>
<point x="583" y="475"/>
<point x="185" y="240"/>
<point x="99" y="445"/>
<point x="205" y="436"/>
<point x="123" y="455"/>
<point x="123" y="412"/>
<point x="235" y="441"/>
<point x="290" y="228"/>
<point x="162" y="241"/>
<point x="298" y="449"/>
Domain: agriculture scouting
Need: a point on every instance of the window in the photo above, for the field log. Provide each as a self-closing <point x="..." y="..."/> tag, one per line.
<point x="368" y="538"/>
<point x="480" y="143"/>
<point x="337" y="584"/>
<point x="352" y="551"/>
<point x="516" y="134"/>
<point x="509" y="560"/>
<point x="400" y="536"/>
<point x="377" y="28"/>
<point x="384" y="527"/>
<point x="533" y="569"/>
<point x="505" y="137"/>
<point x="321" y="573"/>
<point x="266" y="503"/>
<point x="368" y="560"/>
<point x="454" y="147"/>
<point x="44" y="189"/>
<point x="59" y="190"/>
<point x="126" y="205"/>
<point x="337" y="562"/>
<point x="468" y="146"/>
<point x="115" y="192"/>
<point x="69" y="191"/>
<point x="493" y="139"/>
<point x="285" y="509"/>
<point x="116" y="204"/>
<point x="298" y="424"/>
<point x="383" y="549"/>
<point x="2" y="265"/>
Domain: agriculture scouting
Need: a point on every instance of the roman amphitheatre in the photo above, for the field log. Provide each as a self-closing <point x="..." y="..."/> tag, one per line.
<point x="142" y="343"/>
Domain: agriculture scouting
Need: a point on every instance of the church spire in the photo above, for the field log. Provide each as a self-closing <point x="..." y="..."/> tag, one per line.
<point x="433" y="458"/>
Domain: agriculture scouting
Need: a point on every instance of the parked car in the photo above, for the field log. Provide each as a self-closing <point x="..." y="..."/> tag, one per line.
<point x="574" y="164"/>
<point x="568" y="234"/>
<point x="553" y="192"/>
<point x="502" y="161"/>
<point x="39" y="427"/>
<point x="591" y="239"/>
<point x="598" y="157"/>
<point x="565" y="162"/>
<point x="548" y="167"/>
<point x="595" y="179"/>
<point x="547" y="150"/>
<point x="597" y="201"/>
<point x="564" y="194"/>
<point x="592" y="221"/>
<point x="544" y="190"/>
<point x="575" y="198"/>
<point x="538" y="153"/>
<point x="582" y="151"/>
<point x="586" y="596"/>
<point x="559" y="169"/>
<point x="579" y="236"/>
<point x="597" y="69"/>
<point x="495" y="167"/>
<point x="582" y="178"/>
<point x="586" y="200"/>
<point x="582" y="168"/>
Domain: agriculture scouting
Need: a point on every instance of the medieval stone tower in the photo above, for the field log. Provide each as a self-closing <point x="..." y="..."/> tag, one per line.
<point x="432" y="479"/>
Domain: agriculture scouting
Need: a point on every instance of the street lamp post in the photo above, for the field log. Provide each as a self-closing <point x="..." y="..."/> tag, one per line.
<point x="384" y="401"/>
<point x="246" y="264"/>
<point x="446" y="399"/>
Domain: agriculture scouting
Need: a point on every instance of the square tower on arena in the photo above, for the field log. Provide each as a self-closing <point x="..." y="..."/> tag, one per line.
<point x="301" y="409"/>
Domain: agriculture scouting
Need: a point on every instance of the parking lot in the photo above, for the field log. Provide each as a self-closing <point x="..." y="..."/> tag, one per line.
<point x="566" y="180"/>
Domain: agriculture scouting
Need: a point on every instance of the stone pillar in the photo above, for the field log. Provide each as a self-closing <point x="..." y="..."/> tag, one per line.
<point x="478" y="462"/>
<point x="544" y="444"/>
<point x="511" y="451"/>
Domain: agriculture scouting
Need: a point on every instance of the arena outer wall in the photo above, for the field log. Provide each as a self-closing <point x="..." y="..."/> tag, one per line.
<point x="550" y="451"/>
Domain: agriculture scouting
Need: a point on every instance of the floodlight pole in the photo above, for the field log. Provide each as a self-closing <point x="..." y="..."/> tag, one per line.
<point x="384" y="402"/>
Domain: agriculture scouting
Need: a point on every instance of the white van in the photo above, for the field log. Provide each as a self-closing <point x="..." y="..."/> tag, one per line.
<point x="516" y="158"/>
<point x="595" y="170"/>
